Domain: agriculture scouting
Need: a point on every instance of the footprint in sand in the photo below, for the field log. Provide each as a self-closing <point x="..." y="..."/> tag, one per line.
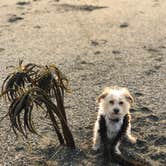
<point x="153" y="50"/>
<point x="141" y="145"/>
<point x="23" y="13"/>
<point x="152" y="117"/>
<point x="2" y="49"/>
<point x="157" y="55"/>
<point x="151" y="136"/>
<point x="94" y="43"/>
<point x="22" y="3"/>
<point x="116" y="52"/>
<point x="97" y="52"/>
<point x="159" y="156"/>
<point x="124" y="25"/>
<point x="162" y="47"/>
<point x="15" y="18"/>
<point x="141" y="142"/>
<point x="160" y="141"/>
<point x="153" y="70"/>
<point x="19" y="148"/>
<point x="156" y="5"/>
<point x="159" y="59"/>
<point x="69" y="7"/>
<point x="37" y="27"/>
<point x="98" y="42"/>
<point x="138" y="94"/>
<point x="145" y="110"/>
<point x="150" y="72"/>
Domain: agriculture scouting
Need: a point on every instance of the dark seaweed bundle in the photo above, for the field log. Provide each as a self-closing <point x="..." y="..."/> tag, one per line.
<point x="34" y="86"/>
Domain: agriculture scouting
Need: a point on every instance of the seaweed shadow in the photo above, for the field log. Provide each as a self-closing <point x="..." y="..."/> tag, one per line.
<point x="59" y="154"/>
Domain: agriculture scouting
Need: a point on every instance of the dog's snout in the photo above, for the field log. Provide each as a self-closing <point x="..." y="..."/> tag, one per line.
<point x="116" y="110"/>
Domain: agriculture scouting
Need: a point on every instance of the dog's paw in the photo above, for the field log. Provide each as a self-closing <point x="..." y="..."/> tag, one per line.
<point x="132" y="139"/>
<point x="117" y="151"/>
<point x="95" y="147"/>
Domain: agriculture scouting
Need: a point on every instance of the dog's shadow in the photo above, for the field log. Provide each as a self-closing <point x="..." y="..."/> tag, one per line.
<point x="59" y="155"/>
<point x="70" y="7"/>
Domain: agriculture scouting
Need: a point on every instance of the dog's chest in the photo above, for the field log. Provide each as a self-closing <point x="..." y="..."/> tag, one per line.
<point x="113" y="128"/>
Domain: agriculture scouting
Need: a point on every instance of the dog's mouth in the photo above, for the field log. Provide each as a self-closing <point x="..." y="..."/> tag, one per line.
<point x="114" y="117"/>
<point x="115" y="120"/>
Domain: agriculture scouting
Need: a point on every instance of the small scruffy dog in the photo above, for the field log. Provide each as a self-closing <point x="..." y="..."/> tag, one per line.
<point x="114" y="104"/>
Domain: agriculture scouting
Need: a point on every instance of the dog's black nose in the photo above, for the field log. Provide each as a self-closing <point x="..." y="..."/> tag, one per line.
<point x="116" y="110"/>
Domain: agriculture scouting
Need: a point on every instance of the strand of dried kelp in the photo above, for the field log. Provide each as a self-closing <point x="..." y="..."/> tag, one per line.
<point x="35" y="86"/>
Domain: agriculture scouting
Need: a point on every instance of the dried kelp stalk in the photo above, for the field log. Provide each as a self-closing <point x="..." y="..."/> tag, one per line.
<point x="32" y="86"/>
<point x="49" y="74"/>
<point x="61" y="78"/>
<point x="23" y="107"/>
<point x="53" y="82"/>
<point x="19" y="78"/>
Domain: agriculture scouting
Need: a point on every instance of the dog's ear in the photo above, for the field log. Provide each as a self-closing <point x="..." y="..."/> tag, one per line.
<point x="129" y="98"/>
<point x="103" y="94"/>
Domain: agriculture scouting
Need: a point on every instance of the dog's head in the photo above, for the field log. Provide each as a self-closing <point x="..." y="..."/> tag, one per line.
<point x="115" y="102"/>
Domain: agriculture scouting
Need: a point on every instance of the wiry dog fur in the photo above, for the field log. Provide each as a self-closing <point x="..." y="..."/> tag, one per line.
<point x="114" y="104"/>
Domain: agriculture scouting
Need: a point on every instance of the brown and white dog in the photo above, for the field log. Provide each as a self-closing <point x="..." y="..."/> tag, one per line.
<point x="114" y="103"/>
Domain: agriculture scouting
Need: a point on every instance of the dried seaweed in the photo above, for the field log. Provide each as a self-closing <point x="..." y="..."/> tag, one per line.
<point x="19" y="78"/>
<point x="34" y="86"/>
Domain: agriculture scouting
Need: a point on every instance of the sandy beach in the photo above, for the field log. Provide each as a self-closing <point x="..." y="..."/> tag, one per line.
<point x="96" y="43"/>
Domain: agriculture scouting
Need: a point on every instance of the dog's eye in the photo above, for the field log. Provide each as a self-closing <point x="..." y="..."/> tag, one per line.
<point x="121" y="103"/>
<point x="111" y="102"/>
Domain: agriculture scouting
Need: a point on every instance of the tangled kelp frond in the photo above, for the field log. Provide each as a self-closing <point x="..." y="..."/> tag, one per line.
<point x="23" y="107"/>
<point x="19" y="78"/>
<point x="13" y="81"/>
<point x="61" y="78"/>
<point x="34" y="86"/>
<point x="49" y="74"/>
<point x="51" y="80"/>
<point x="44" y="80"/>
<point x="59" y="110"/>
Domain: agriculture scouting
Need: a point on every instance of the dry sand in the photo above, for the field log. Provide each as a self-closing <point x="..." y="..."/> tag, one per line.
<point x="97" y="43"/>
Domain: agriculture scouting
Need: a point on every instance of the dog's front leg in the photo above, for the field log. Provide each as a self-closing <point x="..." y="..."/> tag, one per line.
<point x="131" y="138"/>
<point x="104" y="140"/>
<point x="96" y="136"/>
